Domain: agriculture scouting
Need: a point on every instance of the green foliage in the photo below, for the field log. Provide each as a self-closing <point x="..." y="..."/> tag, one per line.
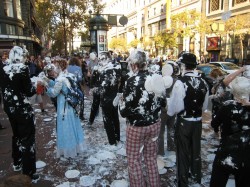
<point x="187" y="22"/>
<point x="238" y="23"/>
<point x="134" y="43"/>
<point x="54" y="14"/>
<point x="119" y="44"/>
<point x="57" y="46"/>
<point x="164" y="39"/>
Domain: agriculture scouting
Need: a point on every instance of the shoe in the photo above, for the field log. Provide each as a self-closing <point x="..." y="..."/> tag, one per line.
<point x="119" y="145"/>
<point x="114" y="147"/>
<point x="17" y="167"/>
<point x="35" y="178"/>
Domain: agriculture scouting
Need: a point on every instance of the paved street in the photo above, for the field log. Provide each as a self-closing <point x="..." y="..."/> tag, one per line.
<point x="53" y="173"/>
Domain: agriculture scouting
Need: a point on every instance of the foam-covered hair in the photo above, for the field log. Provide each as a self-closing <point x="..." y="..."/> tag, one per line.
<point x="49" y="67"/>
<point x="137" y="56"/>
<point x="240" y="87"/>
<point x="18" y="54"/>
<point x="47" y="59"/>
<point x="92" y="56"/>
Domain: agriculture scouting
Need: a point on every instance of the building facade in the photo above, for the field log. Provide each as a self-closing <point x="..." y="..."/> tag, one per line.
<point x="18" y="26"/>
<point x="147" y="17"/>
<point x="234" y="43"/>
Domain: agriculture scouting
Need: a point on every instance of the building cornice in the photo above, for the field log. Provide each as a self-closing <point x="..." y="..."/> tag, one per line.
<point x="16" y="37"/>
<point x="187" y="4"/>
<point x="12" y="21"/>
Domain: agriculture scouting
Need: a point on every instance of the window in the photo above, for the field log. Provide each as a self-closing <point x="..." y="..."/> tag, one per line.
<point x="236" y="2"/>
<point x="20" y="31"/>
<point x="142" y="31"/>
<point x="10" y="29"/>
<point x="154" y="11"/>
<point x="162" y="25"/>
<point x="18" y="9"/>
<point x="8" y="8"/>
<point x="150" y="30"/>
<point x="148" y="14"/>
<point x="162" y="8"/>
<point x="215" y="5"/>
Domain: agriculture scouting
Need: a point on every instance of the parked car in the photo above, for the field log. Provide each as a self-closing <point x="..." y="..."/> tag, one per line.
<point x="228" y="67"/>
<point x="205" y="70"/>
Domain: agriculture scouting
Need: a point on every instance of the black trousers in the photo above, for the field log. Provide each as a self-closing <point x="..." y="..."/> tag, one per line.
<point x="94" y="107"/>
<point x="169" y="122"/>
<point x="23" y="142"/>
<point x="188" y="148"/>
<point x="111" y="121"/>
<point x="221" y="172"/>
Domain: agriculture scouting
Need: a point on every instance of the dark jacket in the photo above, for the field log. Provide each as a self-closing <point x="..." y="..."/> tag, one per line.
<point x="17" y="87"/>
<point x="234" y="121"/>
<point x="110" y="76"/>
<point x="196" y="89"/>
<point x="141" y="107"/>
<point x="95" y="78"/>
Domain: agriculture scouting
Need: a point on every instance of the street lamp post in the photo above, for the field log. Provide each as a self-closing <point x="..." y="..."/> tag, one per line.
<point x="64" y="30"/>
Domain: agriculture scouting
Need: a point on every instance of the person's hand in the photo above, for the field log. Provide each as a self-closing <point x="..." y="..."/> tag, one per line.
<point x="117" y="99"/>
<point x="39" y="83"/>
<point x="45" y="79"/>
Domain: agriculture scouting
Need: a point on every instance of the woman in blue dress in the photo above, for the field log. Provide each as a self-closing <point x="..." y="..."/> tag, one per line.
<point x="70" y="136"/>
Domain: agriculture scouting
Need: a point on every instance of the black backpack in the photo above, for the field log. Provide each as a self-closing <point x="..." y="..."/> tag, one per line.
<point x="74" y="97"/>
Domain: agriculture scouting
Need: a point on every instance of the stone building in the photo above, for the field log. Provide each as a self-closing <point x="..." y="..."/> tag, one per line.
<point x="18" y="26"/>
<point x="147" y="17"/>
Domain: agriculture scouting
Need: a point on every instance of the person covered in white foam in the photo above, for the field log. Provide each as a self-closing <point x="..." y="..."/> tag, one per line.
<point x="188" y="100"/>
<point x="169" y="69"/>
<point x="17" y="88"/>
<point x="70" y="136"/>
<point x="141" y="103"/>
<point x="109" y="76"/>
<point x="233" y="118"/>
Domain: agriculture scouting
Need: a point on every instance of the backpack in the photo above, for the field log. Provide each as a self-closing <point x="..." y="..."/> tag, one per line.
<point x="74" y="96"/>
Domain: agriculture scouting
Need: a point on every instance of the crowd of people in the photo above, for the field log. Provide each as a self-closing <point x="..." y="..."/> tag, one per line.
<point x="151" y="95"/>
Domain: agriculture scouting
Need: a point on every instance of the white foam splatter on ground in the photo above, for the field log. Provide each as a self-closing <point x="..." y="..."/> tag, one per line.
<point x="100" y="165"/>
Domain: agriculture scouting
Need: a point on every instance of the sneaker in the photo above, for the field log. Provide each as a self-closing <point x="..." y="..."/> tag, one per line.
<point x="35" y="178"/>
<point x="17" y="167"/>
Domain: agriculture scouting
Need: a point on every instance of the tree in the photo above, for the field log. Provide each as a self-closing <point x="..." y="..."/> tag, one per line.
<point x="134" y="43"/>
<point x="190" y="23"/>
<point x="69" y="14"/>
<point x="119" y="44"/>
<point x="238" y="27"/>
<point x="165" y="40"/>
<point x="58" y="46"/>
